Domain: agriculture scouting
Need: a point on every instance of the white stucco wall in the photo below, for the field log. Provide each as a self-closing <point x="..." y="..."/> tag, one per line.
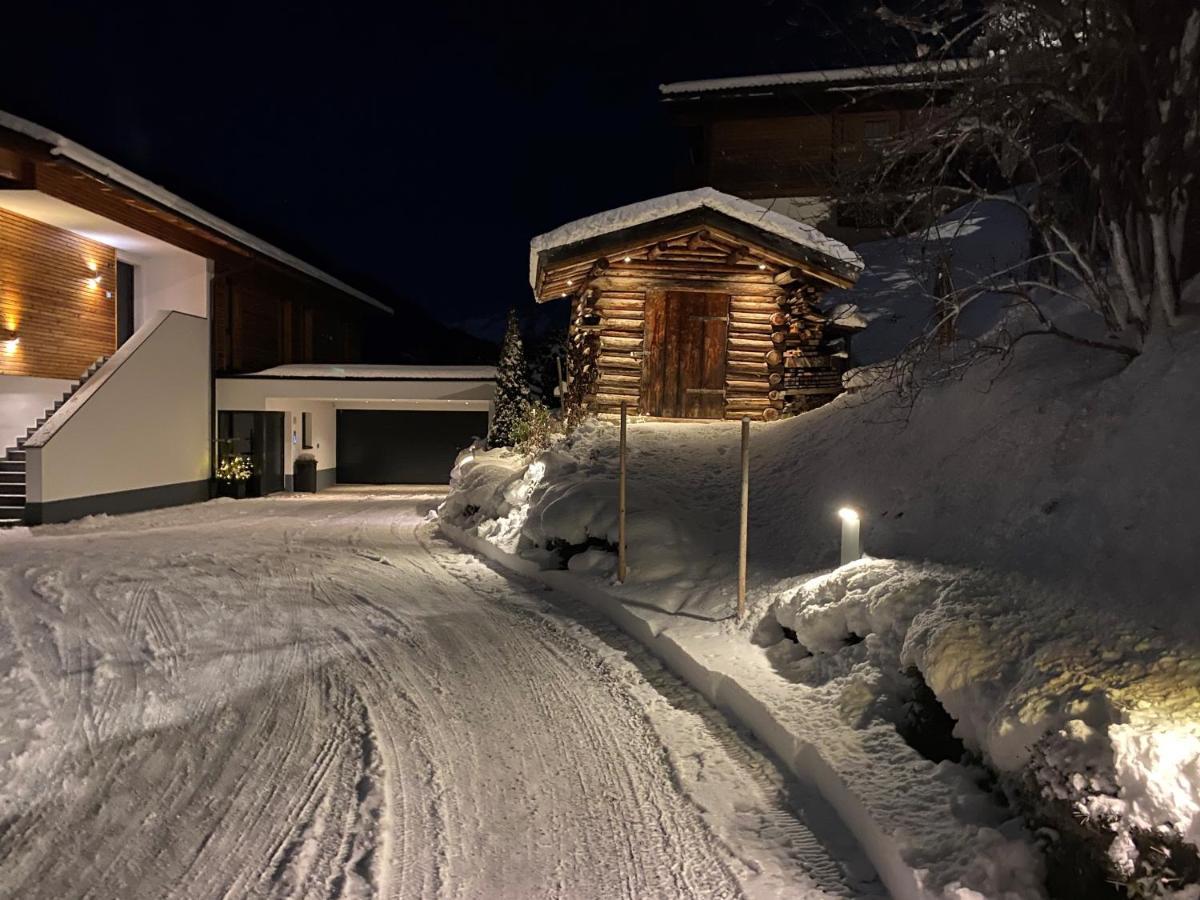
<point x="23" y="401"/>
<point x="324" y="432"/>
<point x="175" y="280"/>
<point x="142" y="422"/>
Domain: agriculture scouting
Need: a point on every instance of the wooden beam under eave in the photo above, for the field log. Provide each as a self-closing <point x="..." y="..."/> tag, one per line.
<point x="799" y="272"/>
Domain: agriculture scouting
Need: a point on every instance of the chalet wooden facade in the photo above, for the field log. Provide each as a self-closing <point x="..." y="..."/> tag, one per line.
<point x="797" y="136"/>
<point x="696" y="306"/>
<point x="267" y="308"/>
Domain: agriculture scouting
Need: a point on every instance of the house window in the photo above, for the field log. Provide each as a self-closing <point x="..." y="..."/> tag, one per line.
<point x="306" y="441"/>
<point x="877" y="130"/>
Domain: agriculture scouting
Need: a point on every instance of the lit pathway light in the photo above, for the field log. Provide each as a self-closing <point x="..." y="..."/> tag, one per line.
<point x="851" y="537"/>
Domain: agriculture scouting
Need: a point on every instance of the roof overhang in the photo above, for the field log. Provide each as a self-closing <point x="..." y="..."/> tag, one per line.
<point x="839" y="273"/>
<point x="918" y="75"/>
<point x="58" y="147"/>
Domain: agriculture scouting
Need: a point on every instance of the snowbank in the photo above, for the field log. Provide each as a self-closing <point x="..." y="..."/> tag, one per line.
<point x="1108" y="712"/>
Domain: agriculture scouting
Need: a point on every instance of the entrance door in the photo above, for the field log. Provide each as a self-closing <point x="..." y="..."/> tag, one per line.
<point x="124" y="302"/>
<point x="683" y="372"/>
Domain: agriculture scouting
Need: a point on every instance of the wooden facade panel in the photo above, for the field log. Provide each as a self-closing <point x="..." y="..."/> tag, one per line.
<point x="63" y="321"/>
<point x="765" y="155"/>
<point x="80" y="189"/>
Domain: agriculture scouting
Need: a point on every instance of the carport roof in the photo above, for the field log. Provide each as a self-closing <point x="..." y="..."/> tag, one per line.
<point x="367" y="372"/>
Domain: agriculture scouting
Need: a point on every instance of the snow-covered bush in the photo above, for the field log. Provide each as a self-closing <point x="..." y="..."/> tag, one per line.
<point x="534" y="430"/>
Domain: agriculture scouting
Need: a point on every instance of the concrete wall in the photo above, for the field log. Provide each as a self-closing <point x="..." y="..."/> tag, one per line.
<point x="23" y="401"/>
<point x="175" y="280"/>
<point x="324" y="435"/>
<point x="137" y="435"/>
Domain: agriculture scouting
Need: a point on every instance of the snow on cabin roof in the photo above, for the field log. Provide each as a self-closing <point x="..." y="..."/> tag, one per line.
<point x="367" y="372"/>
<point x="831" y="76"/>
<point x="105" y="168"/>
<point x="672" y="204"/>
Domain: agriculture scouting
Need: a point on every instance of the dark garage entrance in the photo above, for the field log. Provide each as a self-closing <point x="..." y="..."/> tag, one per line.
<point x="410" y="447"/>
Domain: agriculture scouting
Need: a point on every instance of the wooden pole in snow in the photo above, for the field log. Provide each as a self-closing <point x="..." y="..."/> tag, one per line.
<point x="744" y="523"/>
<point x="621" y="499"/>
<point x="562" y="385"/>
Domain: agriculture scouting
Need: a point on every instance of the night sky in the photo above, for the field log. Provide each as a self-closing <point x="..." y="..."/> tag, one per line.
<point x="413" y="151"/>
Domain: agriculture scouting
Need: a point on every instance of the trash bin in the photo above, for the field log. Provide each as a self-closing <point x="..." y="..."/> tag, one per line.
<point x="304" y="475"/>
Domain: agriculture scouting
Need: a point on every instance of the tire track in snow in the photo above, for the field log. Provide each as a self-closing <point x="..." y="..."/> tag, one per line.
<point x="329" y="706"/>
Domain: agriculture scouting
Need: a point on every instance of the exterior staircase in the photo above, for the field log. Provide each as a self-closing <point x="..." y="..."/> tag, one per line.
<point x="12" y="467"/>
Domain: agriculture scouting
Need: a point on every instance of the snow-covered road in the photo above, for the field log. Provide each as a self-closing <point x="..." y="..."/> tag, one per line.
<point x="318" y="697"/>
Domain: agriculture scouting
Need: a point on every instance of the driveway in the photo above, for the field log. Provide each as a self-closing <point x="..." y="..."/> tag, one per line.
<point x="318" y="696"/>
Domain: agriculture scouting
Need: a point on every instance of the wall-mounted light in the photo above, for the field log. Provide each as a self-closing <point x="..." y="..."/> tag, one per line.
<point x="762" y="265"/>
<point x="9" y="341"/>
<point x="94" y="282"/>
<point x="629" y="259"/>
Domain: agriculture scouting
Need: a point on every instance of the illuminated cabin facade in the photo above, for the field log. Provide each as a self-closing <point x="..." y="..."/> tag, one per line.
<point x="696" y="306"/>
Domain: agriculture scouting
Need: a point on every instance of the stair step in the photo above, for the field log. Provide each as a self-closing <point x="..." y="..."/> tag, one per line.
<point x="12" y="512"/>
<point x="15" y="455"/>
<point x="12" y="480"/>
<point x="12" y="465"/>
<point x="11" y="501"/>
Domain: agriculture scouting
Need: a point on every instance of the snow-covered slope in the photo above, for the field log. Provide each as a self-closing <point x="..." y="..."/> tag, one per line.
<point x="1031" y="520"/>
<point x="895" y="293"/>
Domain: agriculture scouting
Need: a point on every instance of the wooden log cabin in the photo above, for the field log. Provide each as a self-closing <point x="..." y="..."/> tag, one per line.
<point x="696" y="306"/>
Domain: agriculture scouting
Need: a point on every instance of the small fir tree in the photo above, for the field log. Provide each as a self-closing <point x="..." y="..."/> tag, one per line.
<point x="512" y="385"/>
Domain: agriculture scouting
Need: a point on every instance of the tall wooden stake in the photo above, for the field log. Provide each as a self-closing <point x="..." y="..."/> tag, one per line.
<point x="562" y="385"/>
<point x="621" y="500"/>
<point x="744" y="523"/>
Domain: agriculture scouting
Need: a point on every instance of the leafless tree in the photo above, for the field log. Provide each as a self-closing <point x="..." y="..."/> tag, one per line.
<point x="1096" y="105"/>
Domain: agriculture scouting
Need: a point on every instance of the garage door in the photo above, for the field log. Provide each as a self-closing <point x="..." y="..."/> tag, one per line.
<point x="376" y="447"/>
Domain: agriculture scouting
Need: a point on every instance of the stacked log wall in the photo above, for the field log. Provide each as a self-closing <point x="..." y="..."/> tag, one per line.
<point x="774" y="365"/>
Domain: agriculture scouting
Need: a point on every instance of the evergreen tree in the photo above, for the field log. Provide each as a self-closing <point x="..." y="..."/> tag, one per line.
<point x="512" y="385"/>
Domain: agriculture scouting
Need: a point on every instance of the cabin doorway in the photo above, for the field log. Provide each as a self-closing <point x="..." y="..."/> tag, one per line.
<point x="686" y="338"/>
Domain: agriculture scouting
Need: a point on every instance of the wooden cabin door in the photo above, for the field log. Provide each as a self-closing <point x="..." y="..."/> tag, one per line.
<point x="683" y="371"/>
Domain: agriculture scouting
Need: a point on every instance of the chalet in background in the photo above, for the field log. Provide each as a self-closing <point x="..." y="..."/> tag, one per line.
<point x="697" y="305"/>
<point x="790" y="140"/>
<point x="143" y="338"/>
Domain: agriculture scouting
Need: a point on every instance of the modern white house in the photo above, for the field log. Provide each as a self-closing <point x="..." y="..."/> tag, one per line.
<point x="142" y="337"/>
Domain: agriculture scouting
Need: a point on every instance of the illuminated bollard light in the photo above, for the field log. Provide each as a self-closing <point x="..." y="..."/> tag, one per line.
<point x="851" y="536"/>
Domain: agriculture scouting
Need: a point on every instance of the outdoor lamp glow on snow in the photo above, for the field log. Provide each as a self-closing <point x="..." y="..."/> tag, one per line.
<point x="851" y="535"/>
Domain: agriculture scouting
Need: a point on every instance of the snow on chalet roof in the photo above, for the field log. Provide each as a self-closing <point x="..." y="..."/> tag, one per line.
<point x="672" y="204"/>
<point x="94" y="162"/>
<point x="367" y="372"/>
<point x="831" y="76"/>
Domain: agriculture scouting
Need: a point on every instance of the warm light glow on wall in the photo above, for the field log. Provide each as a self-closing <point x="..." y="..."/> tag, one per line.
<point x="9" y="345"/>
